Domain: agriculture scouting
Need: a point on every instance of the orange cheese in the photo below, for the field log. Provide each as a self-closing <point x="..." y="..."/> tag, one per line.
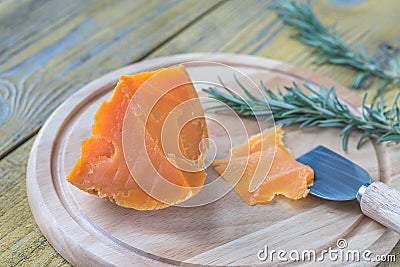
<point x="103" y="168"/>
<point x="265" y="154"/>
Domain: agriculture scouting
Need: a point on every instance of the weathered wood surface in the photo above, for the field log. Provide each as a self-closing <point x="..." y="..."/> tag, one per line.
<point x="50" y="48"/>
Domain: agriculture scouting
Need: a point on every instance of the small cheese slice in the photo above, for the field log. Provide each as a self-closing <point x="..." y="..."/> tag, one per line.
<point x="264" y="154"/>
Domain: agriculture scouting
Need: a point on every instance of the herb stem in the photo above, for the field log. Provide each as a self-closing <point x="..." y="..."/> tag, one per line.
<point x="320" y="108"/>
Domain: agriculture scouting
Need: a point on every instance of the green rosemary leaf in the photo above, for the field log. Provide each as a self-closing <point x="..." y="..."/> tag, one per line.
<point x="280" y="104"/>
<point x="359" y="78"/>
<point x="382" y="106"/>
<point x="262" y="113"/>
<point x="385" y="137"/>
<point x="310" y="88"/>
<point x="345" y="133"/>
<point x="395" y="65"/>
<point x="361" y="51"/>
<point x="346" y="129"/>
<point x="377" y="116"/>
<point x="326" y="112"/>
<point x="363" y="105"/>
<point x="327" y="98"/>
<point x="395" y="107"/>
<point x="250" y="96"/>
<point x="332" y="125"/>
<point x="394" y="139"/>
<point x="224" y="86"/>
<point x="382" y="85"/>
<point x="306" y="123"/>
<point x="362" y="138"/>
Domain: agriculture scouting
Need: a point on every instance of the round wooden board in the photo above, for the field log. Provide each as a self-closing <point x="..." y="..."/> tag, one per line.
<point x="87" y="230"/>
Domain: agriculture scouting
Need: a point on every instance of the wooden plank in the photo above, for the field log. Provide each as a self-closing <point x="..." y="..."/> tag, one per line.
<point x="49" y="50"/>
<point x="22" y="242"/>
<point x="257" y="32"/>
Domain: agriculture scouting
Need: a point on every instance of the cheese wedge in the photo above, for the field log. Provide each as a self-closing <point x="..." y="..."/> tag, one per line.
<point x="126" y="161"/>
<point x="264" y="154"/>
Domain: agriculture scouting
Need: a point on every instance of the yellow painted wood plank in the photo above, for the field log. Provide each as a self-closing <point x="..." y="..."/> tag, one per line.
<point x="240" y="27"/>
<point x="50" y="49"/>
<point x="21" y="241"/>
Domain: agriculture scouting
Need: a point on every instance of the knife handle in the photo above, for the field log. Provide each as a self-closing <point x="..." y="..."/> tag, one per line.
<point x="382" y="203"/>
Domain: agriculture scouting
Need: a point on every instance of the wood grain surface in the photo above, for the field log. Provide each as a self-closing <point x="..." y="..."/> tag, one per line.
<point x="71" y="46"/>
<point x="49" y="49"/>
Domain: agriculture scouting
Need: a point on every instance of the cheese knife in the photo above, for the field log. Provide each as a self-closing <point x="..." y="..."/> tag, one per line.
<point x="337" y="178"/>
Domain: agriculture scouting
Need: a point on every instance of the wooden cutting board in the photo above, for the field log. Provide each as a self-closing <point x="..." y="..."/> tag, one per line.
<point x="87" y="230"/>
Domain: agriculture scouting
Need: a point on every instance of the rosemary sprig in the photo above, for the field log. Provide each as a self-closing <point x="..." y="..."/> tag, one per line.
<point x="320" y="108"/>
<point x="332" y="49"/>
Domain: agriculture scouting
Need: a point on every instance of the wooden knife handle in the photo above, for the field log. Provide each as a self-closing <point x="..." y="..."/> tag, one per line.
<point x="382" y="203"/>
